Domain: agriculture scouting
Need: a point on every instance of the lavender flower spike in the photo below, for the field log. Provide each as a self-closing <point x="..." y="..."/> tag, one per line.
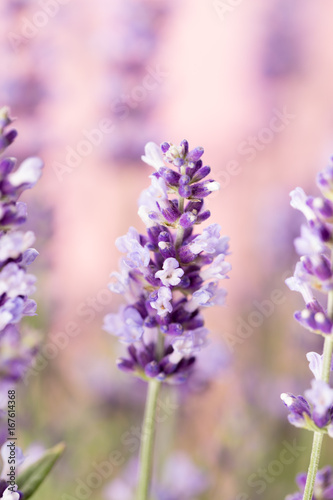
<point x="171" y="273"/>
<point x="314" y="272"/>
<point x="17" y="349"/>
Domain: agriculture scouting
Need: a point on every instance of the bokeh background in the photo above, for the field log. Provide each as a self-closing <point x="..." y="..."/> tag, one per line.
<point x="90" y="83"/>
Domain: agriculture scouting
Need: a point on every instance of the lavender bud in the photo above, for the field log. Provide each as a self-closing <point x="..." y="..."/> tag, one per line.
<point x="165" y="147"/>
<point x="195" y="154"/>
<point x="184" y="147"/>
<point x="201" y="174"/>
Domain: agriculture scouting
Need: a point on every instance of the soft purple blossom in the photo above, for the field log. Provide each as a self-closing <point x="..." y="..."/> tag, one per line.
<point x="153" y="155"/>
<point x="321" y="397"/>
<point x="217" y="270"/>
<point x="315" y="364"/>
<point x="162" y="302"/>
<point x="171" y="273"/>
<point x="309" y="243"/>
<point x="127" y="325"/>
<point x="207" y="241"/>
<point x="299" y="201"/>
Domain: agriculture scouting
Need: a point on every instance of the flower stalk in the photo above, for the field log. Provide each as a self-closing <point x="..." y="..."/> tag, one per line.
<point x="314" y="271"/>
<point x="319" y="436"/>
<point x="147" y="441"/>
<point x="167" y="277"/>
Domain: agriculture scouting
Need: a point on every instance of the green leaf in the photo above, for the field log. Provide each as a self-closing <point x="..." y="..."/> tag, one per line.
<point x="31" y="478"/>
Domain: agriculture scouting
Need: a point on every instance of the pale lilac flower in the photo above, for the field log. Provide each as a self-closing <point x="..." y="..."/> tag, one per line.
<point x="207" y="241"/>
<point x="315" y="364"/>
<point x="299" y="201"/>
<point x="191" y="343"/>
<point x="181" y="479"/>
<point x="155" y="193"/>
<point x="207" y="296"/>
<point x="8" y="494"/>
<point x="137" y="255"/>
<point x="27" y="174"/>
<point x="127" y="325"/>
<point x="217" y="270"/>
<point x="320" y="396"/>
<point x="309" y="243"/>
<point x="171" y="274"/>
<point x="13" y="244"/>
<point x="162" y="303"/>
<point x="295" y="284"/>
<point x="153" y="155"/>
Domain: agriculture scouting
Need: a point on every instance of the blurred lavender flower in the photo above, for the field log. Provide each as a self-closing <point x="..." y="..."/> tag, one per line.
<point x="181" y="480"/>
<point x="136" y="79"/>
<point x="16" y="349"/>
<point x="323" y="489"/>
<point x="283" y="50"/>
<point x="170" y="274"/>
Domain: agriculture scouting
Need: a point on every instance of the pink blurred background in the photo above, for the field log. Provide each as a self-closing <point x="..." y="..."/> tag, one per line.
<point x="219" y="73"/>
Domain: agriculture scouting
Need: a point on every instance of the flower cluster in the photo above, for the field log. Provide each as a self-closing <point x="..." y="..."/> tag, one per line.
<point x="17" y="350"/>
<point x="323" y="488"/>
<point x="314" y="411"/>
<point x="170" y="274"/>
<point x="314" y="272"/>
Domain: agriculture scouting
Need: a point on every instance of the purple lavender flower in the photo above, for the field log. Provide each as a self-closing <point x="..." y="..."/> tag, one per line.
<point x="315" y="411"/>
<point x="313" y="271"/>
<point x="16" y="349"/>
<point x="323" y="488"/>
<point x="168" y="275"/>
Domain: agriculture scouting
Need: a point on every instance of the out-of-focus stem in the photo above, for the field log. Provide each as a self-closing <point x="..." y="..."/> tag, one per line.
<point x="147" y="441"/>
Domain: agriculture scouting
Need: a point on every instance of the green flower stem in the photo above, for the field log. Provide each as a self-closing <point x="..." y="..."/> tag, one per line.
<point x="147" y="441"/>
<point x="313" y="467"/>
<point x="318" y="436"/>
